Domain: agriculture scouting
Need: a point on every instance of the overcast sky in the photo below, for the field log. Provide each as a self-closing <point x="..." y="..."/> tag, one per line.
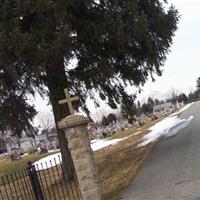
<point x="182" y="67"/>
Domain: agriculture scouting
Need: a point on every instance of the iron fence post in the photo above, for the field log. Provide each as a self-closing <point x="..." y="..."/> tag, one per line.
<point x="32" y="173"/>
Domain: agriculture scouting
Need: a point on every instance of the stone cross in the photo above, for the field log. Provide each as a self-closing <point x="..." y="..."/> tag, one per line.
<point x="68" y="100"/>
<point x="76" y="132"/>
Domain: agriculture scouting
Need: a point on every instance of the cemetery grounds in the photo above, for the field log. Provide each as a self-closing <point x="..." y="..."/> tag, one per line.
<point x="117" y="164"/>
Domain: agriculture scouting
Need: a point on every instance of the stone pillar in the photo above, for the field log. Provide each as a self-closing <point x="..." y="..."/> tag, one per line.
<point x="75" y="128"/>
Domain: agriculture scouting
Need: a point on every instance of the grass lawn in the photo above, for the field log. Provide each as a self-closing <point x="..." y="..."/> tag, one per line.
<point x="117" y="171"/>
<point x="8" y="166"/>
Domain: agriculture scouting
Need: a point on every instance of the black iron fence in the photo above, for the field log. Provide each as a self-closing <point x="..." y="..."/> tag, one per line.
<point x="43" y="181"/>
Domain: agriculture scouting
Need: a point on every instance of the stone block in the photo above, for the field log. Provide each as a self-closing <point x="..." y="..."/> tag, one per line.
<point x="76" y="143"/>
<point x="72" y="136"/>
<point x="86" y="174"/>
<point x="73" y="121"/>
<point x="92" y="195"/>
<point x="81" y="153"/>
<point x="88" y="184"/>
<point x="82" y="164"/>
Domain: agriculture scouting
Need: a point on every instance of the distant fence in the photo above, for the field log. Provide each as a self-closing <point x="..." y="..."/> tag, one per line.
<point x="44" y="181"/>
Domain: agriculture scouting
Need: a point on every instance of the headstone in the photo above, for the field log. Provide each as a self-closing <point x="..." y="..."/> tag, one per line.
<point x="15" y="154"/>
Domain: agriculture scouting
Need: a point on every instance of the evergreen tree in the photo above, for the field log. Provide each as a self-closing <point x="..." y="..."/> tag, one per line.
<point x="157" y="102"/>
<point x="16" y="115"/>
<point x="114" y="43"/>
<point x="147" y="108"/>
<point x="198" y="85"/>
<point x="104" y="121"/>
<point x="139" y="108"/>
<point x="138" y="104"/>
<point x="111" y="118"/>
<point x="162" y="102"/>
<point x="124" y="111"/>
<point x="182" y="98"/>
<point x="150" y="101"/>
<point x="129" y="110"/>
<point x="192" y="96"/>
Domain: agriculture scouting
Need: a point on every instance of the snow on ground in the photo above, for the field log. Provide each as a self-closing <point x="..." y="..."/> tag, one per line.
<point x="166" y="128"/>
<point x="45" y="163"/>
<point x="102" y="143"/>
<point x="53" y="150"/>
<point x="26" y="154"/>
<point x="182" y="109"/>
<point x="97" y="144"/>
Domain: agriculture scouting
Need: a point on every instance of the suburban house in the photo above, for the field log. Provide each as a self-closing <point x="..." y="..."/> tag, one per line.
<point x="41" y="139"/>
<point x="51" y="134"/>
<point x="46" y="139"/>
<point x="10" y="144"/>
<point x="26" y="143"/>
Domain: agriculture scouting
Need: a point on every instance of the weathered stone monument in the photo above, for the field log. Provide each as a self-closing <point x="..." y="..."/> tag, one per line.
<point x="75" y="128"/>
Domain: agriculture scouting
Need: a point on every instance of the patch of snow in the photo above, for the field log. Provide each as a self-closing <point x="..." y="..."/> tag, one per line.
<point x="166" y="128"/>
<point x="136" y="133"/>
<point x="181" y="125"/>
<point x="3" y="154"/>
<point x="48" y="161"/>
<point x="53" y="150"/>
<point x="26" y="154"/>
<point x="182" y="109"/>
<point x="102" y="143"/>
<point x="99" y="144"/>
<point x="96" y="144"/>
<point x="93" y="141"/>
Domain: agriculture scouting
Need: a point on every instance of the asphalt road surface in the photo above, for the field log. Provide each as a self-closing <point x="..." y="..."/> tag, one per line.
<point x="172" y="171"/>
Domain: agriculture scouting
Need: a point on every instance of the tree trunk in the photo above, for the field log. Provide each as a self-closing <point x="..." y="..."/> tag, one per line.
<point x="56" y="82"/>
<point x="18" y="142"/>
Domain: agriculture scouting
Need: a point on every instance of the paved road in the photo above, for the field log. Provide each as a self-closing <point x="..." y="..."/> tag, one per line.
<point x="172" y="171"/>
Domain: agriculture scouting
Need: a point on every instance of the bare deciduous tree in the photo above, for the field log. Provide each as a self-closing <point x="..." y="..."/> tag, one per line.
<point x="173" y="95"/>
<point x="46" y="120"/>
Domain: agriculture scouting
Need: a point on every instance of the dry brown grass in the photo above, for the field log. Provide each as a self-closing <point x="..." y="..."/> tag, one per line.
<point x="120" y="163"/>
